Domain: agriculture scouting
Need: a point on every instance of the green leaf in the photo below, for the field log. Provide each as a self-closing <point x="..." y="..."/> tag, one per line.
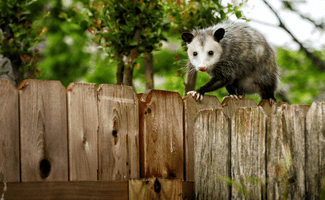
<point x="238" y="14"/>
<point x="3" y="65"/>
<point x="1" y="73"/>
<point x="133" y="42"/>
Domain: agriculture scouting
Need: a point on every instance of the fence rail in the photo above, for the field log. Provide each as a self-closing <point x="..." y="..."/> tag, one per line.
<point x="53" y="135"/>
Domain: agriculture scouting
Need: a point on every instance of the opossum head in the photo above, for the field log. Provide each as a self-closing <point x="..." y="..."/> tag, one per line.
<point x="203" y="48"/>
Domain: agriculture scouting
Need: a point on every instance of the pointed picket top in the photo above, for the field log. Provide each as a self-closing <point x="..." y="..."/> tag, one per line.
<point x="230" y="105"/>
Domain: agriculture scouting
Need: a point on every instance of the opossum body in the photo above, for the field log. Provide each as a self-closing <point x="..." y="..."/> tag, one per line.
<point x="236" y="57"/>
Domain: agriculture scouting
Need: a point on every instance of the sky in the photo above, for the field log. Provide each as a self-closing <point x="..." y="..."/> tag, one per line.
<point x="302" y="29"/>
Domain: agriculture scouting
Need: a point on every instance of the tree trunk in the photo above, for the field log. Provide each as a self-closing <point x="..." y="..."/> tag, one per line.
<point x="19" y="76"/>
<point x="120" y="69"/>
<point x="129" y="61"/>
<point x="190" y="79"/>
<point x="128" y="74"/>
<point x="148" y="71"/>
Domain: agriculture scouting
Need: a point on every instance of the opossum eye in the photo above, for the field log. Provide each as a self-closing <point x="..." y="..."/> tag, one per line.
<point x="194" y="53"/>
<point x="210" y="53"/>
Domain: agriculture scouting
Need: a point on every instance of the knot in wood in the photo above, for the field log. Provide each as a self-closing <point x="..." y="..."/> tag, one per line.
<point x="45" y="168"/>
<point x="157" y="186"/>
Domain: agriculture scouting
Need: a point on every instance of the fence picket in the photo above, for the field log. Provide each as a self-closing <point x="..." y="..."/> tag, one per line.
<point x="315" y="151"/>
<point x="286" y="153"/>
<point x="82" y="129"/>
<point x="248" y="127"/>
<point x="191" y="109"/>
<point x="9" y="132"/>
<point x="212" y="154"/>
<point x="118" y="133"/>
<point x="161" y="134"/>
<point x="43" y="131"/>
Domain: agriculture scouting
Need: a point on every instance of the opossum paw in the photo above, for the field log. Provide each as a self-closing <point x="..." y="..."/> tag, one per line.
<point x="241" y="96"/>
<point x="197" y="96"/>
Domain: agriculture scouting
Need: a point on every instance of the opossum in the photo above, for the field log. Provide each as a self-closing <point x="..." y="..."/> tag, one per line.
<point x="235" y="56"/>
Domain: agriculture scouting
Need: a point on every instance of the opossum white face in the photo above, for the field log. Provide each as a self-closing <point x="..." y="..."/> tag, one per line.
<point x="204" y="50"/>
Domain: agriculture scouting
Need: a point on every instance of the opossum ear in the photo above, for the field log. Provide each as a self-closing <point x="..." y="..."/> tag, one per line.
<point x="218" y="35"/>
<point x="187" y="37"/>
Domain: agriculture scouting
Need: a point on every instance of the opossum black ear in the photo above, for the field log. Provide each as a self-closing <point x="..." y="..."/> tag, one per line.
<point x="187" y="37"/>
<point x="218" y="35"/>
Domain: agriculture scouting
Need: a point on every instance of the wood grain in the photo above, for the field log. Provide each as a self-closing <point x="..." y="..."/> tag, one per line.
<point x="286" y="153"/>
<point x="155" y="188"/>
<point x="9" y="132"/>
<point x="82" y="129"/>
<point x="248" y="159"/>
<point x="118" y="133"/>
<point x="230" y="105"/>
<point x="161" y="134"/>
<point x="315" y="151"/>
<point x="70" y="190"/>
<point x="43" y="131"/>
<point x="212" y="154"/>
<point x="269" y="108"/>
<point x="191" y="108"/>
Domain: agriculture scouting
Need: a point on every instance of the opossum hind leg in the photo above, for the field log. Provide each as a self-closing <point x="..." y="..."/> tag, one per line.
<point x="267" y="93"/>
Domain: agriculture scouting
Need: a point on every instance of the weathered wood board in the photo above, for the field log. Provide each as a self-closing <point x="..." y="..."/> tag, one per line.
<point x="118" y="133"/>
<point x="212" y="154"/>
<point x="230" y="105"/>
<point x="161" y="134"/>
<point x="67" y="190"/>
<point x="248" y="153"/>
<point x="82" y="129"/>
<point x="315" y="151"/>
<point x="155" y="188"/>
<point x="43" y="131"/>
<point x="286" y="152"/>
<point x="191" y="109"/>
<point x="9" y="132"/>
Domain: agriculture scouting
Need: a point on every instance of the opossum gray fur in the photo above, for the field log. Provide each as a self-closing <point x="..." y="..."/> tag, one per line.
<point x="235" y="56"/>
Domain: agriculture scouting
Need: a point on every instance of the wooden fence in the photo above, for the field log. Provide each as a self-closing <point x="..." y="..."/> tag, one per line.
<point x="263" y="152"/>
<point x="108" y="142"/>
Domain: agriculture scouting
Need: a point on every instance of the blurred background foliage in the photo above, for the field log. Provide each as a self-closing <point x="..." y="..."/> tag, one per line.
<point x="100" y="41"/>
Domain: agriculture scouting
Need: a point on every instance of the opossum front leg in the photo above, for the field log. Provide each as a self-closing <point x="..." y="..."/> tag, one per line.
<point x="212" y="85"/>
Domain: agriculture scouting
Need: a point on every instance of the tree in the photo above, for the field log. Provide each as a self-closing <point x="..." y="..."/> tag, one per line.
<point x="21" y="30"/>
<point x="314" y="57"/>
<point x="67" y="55"/>
<point x="128" y="30"/>
<point x="304" y="81"/>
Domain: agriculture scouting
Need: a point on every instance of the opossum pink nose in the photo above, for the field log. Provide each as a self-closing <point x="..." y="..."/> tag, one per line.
<point x="202" y="69"/>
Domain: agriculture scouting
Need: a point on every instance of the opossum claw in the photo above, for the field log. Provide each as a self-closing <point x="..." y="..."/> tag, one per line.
<point x="235" y="97"/>
<point x="272" y="102"/>
<point x="192" y="93"/>
<point x="197" y="96"/>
